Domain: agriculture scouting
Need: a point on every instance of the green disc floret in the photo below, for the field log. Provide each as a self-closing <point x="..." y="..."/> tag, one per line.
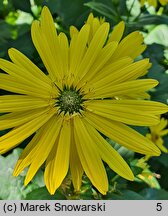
<point x="69" y="100"/>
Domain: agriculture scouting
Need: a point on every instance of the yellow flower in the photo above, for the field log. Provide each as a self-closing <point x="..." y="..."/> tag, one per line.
<point x="79" y="97"/>
<point x="156" y="134"/>
<point x="154" y="3"/>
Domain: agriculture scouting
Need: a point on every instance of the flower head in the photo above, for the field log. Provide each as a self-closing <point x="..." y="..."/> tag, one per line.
<point x="92" y="87"/>
<point x="154" y="3"/>
<point x="157" y="132"/>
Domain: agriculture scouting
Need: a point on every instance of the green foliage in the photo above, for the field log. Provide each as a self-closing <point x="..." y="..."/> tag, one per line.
<point x="71" y="13"/>
<point x="154" y="194"/>
<point x="158" y="35"/>
<point x="42" y="194"/>
<point x="23" y="5"/>
<point x="125" y="195"/>
<point x="13" y="187"/>
<point x="5" y="32"/>
<point x="104" y="9"/>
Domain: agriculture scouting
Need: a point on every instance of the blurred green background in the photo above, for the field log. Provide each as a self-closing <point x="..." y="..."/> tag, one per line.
<point x="15" y="24"/>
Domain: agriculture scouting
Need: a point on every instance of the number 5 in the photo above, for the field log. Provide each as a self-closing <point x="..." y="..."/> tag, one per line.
<point x="159" y="207"/>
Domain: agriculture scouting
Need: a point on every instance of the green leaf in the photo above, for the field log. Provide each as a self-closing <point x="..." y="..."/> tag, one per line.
<point x="136" y="170"/>
<point x="153" y="19"/>
<point x="134" y="7"/>
<point x="5" y="7"/>
<point x="23" y="43"/>
<point x="124" y="195"/>
<point x="163" y="98"/>
<point x="5" y="31"/>
<point x="151" y="53"/>
<point x="43" y="194"/>
<point x="103" y="9"/>
<point x="1" y="5"/>
<point x="150" y="20"/>
<point x="23" y="5"/>
<point x="72" y="13"/>
<point x="122" y="7"/>
<point x="124" y="152"/>
<point x="18" y="37"/>
<point x="160" y="166"/>
<point x="11" y="187"/>
<point x="157" y="71"/>
<point x="148" y="177"/>
<point x="158" y="35"/>
<point x="154" y="194"/>
<point x="163" y="159"/>
<point x="141" y="130"/>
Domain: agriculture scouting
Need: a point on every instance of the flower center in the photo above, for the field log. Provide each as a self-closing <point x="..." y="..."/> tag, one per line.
<point x="69" y="100"/>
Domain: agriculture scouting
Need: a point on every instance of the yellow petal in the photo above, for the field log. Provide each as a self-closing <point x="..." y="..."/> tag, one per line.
<point x="89" y="157"/>
<point x="57" y="163"/>
<point x="70" y="79"/>
<point x="9" y="83"/>
<point x="122" y="114"/>
<point x="64" y="52"/>
<point x="93" y="49"/>
<point x="90" y="18"/>
<point x="152" y="3"/>
<point x="124" y="88"/>
<point x="109" y="155"/>
<point x="142" y="2"/>
<point x="127" y="73"/>
<point x="28" y="153"/>
<point x="78" y="48"/>
<point x="164" y="132"/>
<point x="129" y="46"/>
<point x="163" y="2"/>
<point x="100" y="61"/>
<point x="111" y="68"/>
<point x="45" y="144"/>
<point x="11" y="120"/>
<point x="19" y="134"/>
<point x="31" y="69"/>
<point x="75" y="164"/>
<point x="24" y="76"/>
<point x="45" y="39"/>
<point x="163" y="124"/>
<point x="117" y="32"/>
<point x="94" y="26"/>
<point x="137" y="51"/>
<point x="123" y="135"/>
<point x="148" y="107"/>
<point x="94" y="23"/>
<point x="16" y="103"/>
<point x="73" y="30"/>
<point x="51" y="42"/>
<point x="136" y="96"/>
<point x="160" y="144"/>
